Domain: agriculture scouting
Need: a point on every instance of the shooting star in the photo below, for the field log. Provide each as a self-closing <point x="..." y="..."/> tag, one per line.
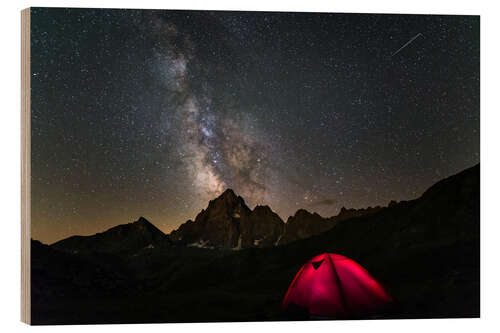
<point x="407" y="43"/>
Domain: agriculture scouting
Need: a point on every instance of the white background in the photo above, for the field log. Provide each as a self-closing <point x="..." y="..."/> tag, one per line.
<point x="490" y="120"/>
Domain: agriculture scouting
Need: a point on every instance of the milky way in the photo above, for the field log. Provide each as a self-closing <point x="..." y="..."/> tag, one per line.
<point x="153" y="113"/>
<point x="213" y="144"/>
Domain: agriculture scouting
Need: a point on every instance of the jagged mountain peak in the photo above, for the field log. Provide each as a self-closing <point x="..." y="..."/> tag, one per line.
<point x="265" y="210"/>
<point x="143" y="224"/>
<point x="143" y="220"/>
<point x="227" y="222"/>
<point x="228" y="193"/>
<point x="301" y="213"/>
<point x="228" y="197"/>
<point x="228" y="204"/>
<point x="140" y="226"/>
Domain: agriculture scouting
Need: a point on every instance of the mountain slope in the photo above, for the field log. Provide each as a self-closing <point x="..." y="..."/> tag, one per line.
<point x="305" y="224"/>
<point x="125" y="237"/>
<point x="262" y="227"/>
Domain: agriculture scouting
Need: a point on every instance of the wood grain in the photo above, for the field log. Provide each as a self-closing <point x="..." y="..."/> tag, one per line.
<point x="25" y="167"/>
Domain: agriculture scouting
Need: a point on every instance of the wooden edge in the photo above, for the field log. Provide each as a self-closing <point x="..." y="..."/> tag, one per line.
<point x="25" y="168"/>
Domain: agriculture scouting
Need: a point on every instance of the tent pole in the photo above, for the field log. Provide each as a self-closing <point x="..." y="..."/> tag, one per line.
<point x="339" y="285"/>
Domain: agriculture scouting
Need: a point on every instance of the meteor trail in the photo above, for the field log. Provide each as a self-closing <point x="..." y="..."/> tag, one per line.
<point x="407" y="43"/>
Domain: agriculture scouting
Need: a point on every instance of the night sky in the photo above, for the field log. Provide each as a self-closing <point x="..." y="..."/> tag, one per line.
<point x="153" y="113"/>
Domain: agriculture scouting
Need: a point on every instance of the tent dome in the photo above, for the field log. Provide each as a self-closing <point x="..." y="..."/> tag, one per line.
<point x="334" y="286"/>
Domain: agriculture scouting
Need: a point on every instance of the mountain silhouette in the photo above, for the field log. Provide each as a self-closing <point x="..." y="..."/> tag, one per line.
<point x="134" y="236"/>
<point x="228" y="223"/>
<point x="305" y="224"/>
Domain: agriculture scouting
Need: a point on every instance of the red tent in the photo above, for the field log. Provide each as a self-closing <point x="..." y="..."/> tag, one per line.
<point x="331" y="285"/>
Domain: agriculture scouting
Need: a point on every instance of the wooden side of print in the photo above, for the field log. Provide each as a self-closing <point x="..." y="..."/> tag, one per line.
<point x="25" y="167"/>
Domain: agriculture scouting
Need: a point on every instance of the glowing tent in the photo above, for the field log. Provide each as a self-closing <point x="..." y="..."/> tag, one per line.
<point x="331" y="285"/>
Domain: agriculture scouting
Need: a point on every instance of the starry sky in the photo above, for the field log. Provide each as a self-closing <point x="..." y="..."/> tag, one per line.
<point x="153" y="113"/>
